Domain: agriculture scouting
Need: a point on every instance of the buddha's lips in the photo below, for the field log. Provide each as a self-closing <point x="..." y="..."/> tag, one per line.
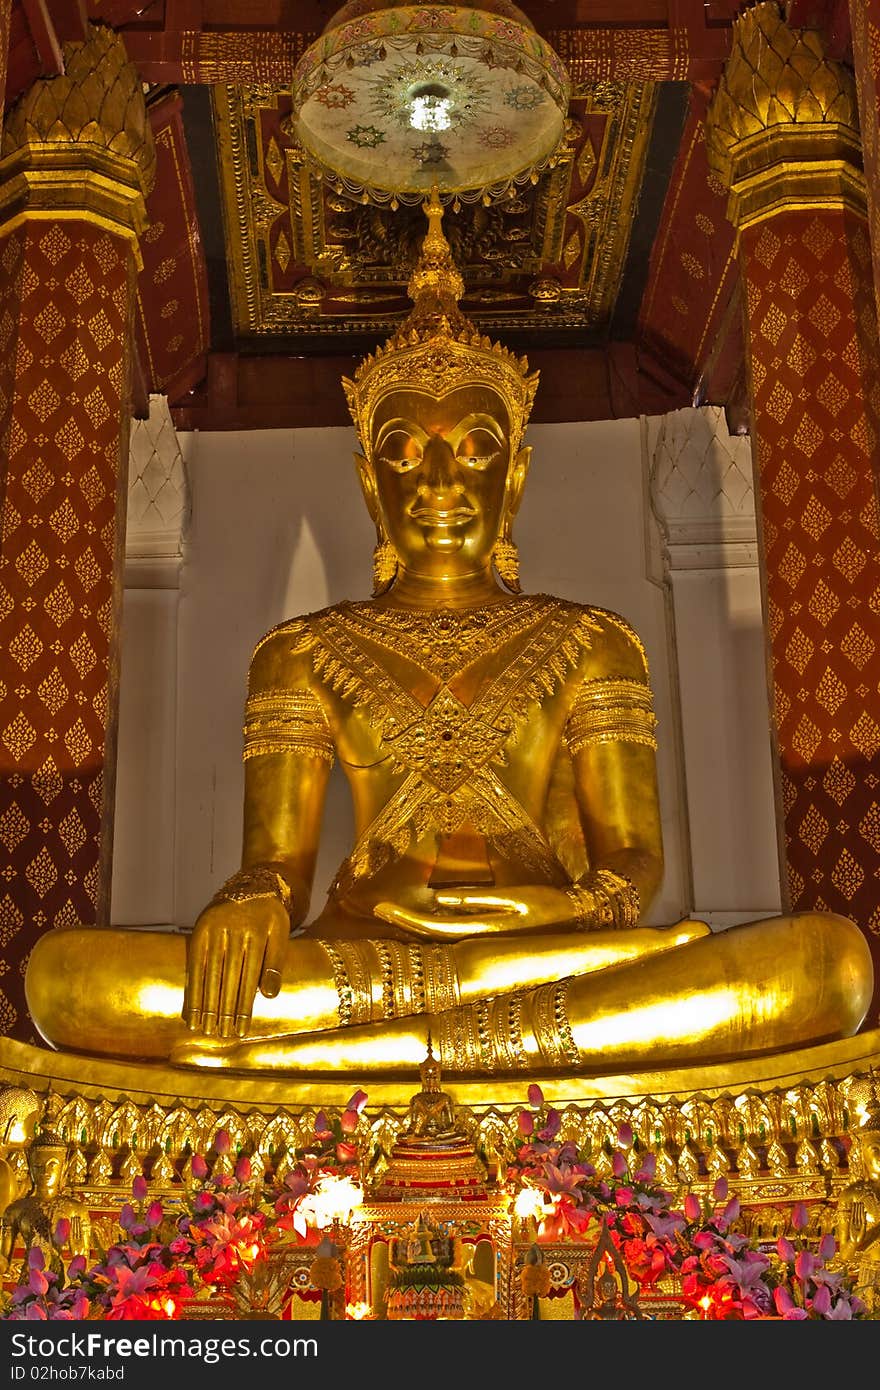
<point x="438" y="518"/>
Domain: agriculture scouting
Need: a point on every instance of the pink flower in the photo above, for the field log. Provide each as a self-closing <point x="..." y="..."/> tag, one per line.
<point x="322" y="1125"/>
<point x="526" y="1122"/>
<point x="61" y="1234"/>
<point x="692" y="1208"/>
<point x="799" y="1216"/>
<point x="625" y="1136"/>
<point x="346" y="1153"/>
<point x="222" y="1142"/>
<point x="552" y="1125"/>
<point x="348" y="1121"/>
<point x="536" y="1096"/>
<point x="805" y="1265"/>
<point x="785" y="1250"/>
<point x="76" y="1267"/>
<point x="139" y="1188"/>
<point x="624" y="1197"/>
<point x="243" y="1169"/>
<point x="154" y="1214"/>
<point x="198" y="1167"/>
<point x="648" y="1169"/>
<point x="36" y="1259"/>
<point x="37" y="1282"/>
<point x="822" y="1301"/>
<point x="719" y="1191"/>
<point x="786" y="1307"/>
<point x="357" y="1102"/>
<point x="731" y="1211"/>
<point x="618" y="1164"/>
<point x="827" y="1247"/>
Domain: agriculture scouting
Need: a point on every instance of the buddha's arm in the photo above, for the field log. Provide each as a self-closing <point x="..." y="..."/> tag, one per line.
<point x="610" y="735"/>
<point x="239" y="941"/>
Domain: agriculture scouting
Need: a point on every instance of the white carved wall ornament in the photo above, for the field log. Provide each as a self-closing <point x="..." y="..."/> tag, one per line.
<point x="702" y="491"/>
<point x="158" y="501"/>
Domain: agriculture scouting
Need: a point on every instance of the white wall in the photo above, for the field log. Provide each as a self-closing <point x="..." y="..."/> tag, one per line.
<point x="277" y="528"/>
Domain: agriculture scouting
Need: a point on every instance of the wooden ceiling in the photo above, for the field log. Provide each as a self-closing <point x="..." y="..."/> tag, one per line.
<point x="616" y="273"/>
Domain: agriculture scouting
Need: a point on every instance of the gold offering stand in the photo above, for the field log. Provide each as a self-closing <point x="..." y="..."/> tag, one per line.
<point x="779" y="1128"/>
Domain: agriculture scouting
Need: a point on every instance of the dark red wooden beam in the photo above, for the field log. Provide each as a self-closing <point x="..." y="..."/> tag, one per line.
<point x="205" y="41"/>
<point x="285" y="392"/>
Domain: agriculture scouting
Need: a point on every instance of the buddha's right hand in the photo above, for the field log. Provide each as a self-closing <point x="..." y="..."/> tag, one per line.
<point x="235" y="949"/>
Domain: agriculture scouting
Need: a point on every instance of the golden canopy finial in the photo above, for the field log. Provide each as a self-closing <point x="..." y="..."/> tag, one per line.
<point x="437" y="348"/>
<point x="436" y="283"/>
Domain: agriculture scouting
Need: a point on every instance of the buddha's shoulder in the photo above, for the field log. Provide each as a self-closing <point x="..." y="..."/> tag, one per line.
<point x="289" y="645"/>
<point x="611" y="643"/>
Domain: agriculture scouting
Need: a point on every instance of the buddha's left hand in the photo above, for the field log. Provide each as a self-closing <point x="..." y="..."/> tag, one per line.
<point x="464" y="912"/>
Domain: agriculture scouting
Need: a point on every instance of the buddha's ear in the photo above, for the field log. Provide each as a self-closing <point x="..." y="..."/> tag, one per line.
<point x="516" y="480"/>
<point x="368" y="487"/>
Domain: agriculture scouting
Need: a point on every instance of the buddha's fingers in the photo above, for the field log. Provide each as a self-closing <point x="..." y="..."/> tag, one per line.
<point x="195" y="980"/>
<point x="214" y="966"/>
<point x="238" y="948"/>
<point x="453" y="927"/>
<point x="273" y="958"/>
<point x="249" y="980"/>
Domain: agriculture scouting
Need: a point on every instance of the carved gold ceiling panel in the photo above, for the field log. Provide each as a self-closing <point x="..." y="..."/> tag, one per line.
<point x="305" y="258"/>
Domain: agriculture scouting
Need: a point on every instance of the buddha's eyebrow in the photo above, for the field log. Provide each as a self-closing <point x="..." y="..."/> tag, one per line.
<point x="408" y="426"/>
<point x="483" y="422"/>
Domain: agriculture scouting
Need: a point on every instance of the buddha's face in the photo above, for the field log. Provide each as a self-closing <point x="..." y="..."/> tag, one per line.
<point x="870" y="1146"/>
<point x="443" y="477"/>
<point x="48" y="1170"/>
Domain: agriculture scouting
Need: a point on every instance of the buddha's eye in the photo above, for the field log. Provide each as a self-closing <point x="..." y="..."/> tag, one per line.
<point x="400" y="451"/>
<point x="478" y="449"/>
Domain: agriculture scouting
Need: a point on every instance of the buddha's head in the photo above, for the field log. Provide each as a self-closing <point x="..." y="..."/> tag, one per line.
<point x="429" y="1071"/>
<point x="47" y="1161"/>
<point x="440" y="413"/>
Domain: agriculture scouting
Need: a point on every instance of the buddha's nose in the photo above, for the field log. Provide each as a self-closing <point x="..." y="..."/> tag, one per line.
<point x="440" y="472"/>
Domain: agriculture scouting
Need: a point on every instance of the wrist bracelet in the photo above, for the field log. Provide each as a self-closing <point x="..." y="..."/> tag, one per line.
<point x="604" y="899"/>
<point x="259" y="882"/>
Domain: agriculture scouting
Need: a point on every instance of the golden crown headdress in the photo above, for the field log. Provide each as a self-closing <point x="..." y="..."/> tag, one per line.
<point x="437" y="348"/>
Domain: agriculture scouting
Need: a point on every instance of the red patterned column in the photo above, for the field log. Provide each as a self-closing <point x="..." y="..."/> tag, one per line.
<point x="865" y="24"/>
<point x="785" y="137"/>
<point x="5" y="12"/>
<point x="77" y="159"/>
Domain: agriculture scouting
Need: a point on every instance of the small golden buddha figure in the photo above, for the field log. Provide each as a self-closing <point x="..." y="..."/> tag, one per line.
<point x="432" y="1156"/>
<point x="858" y="1213"/>
<point x="32" y="1219"/>
<point x="431" y="1110"/>
<point x="19" y="1108"/>
<point x="500" y="752"/>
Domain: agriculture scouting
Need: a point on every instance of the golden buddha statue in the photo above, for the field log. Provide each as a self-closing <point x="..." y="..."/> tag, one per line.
<point x="431" y="1110"/>
<point x="500" y="752"/>
<point x="32" y="1219"/>
<point x="19" y="1108"/>
<point x="858" y="1211"/>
